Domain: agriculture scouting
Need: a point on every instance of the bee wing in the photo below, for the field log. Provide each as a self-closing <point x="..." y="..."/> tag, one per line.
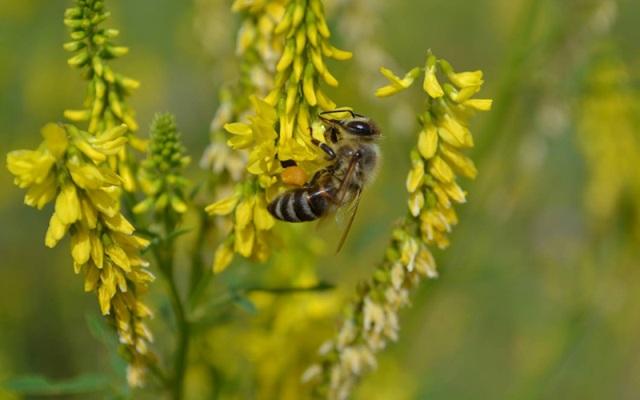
<point x="353" y="208"/>
<point x="342" y="193"/>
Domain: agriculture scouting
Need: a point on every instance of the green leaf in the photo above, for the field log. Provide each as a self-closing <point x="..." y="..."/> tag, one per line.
<point x="37" y="385"/>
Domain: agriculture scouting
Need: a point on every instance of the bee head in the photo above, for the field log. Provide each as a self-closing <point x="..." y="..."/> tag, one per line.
<point x="356" y="125"/>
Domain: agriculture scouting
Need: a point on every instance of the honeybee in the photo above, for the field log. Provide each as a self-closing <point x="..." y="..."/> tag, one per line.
<point x="352" y="149"/>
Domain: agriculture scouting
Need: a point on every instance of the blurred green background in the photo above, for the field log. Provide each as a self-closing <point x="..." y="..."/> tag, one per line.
<point x="538" y="296"/>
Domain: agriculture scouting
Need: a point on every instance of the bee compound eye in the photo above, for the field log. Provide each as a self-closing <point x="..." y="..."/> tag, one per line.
<point x="359" y="128"/>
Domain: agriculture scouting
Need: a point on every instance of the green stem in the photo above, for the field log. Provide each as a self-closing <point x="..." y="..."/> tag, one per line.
<point x="164" y="255"/>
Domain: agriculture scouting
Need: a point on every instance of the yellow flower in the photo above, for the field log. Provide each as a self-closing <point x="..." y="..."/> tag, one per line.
<point x="431" y="84"/>
<point x="279" y="128"/>
<point x="397" y="84"/>
<point x="103" y="247"/>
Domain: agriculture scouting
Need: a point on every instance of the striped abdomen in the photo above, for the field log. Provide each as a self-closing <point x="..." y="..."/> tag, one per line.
<point x="301" y="205"/>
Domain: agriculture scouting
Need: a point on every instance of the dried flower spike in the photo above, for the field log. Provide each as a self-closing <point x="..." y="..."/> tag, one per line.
<point x="437" y="160"/>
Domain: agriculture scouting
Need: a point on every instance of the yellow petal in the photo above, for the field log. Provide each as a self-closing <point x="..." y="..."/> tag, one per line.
<point x="55" y="232"/>
<point x="89" y="150"/>
<point x="428" y="141"/>
<point x="244" y="212"/>
<point x="238" y="128"/>
<point x="455" y="192"/>
<point x="479" y="104"/>
<point x="425" y="263"/>
<point x="416" y="202"/>
<point x="80" y="245"/>
<point x="466" y="79"/>
<point x="262" y="219"/>
<point x="39" y="194"/>
<point x="55" y="138"/>
<point x="224" y="206"/>
<point x="118" y="223"/>
<point x="222" y="258"/>
<point x="244" y="240"/>
<point x="178" y="205"/>
<point x="118" y="257"/>
<point x="85" y="175"/>
<point x="97" y="250"/>
<point x="105" y="201"/>
<point x="440" y="170"/>
<point x="68" y="205"/>
<point x="89" y="213"/>
<point x="461" y="163"/>
<point x="415" y="176"/>
<point x="456" y="134"/>
<point x="91" y="277"/>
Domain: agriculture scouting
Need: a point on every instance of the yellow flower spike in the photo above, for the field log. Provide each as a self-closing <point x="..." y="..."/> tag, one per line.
<point x="55" y="138"/>
<point x="428" y="141"/>
<point x="432" y="188"/>
<point x="431" y="84"/>
<point x="224" y="206"/>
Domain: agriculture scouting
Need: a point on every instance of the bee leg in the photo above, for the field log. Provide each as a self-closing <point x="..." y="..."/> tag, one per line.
<point x="331" y="155"/>
<point x="340" y="110"/>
